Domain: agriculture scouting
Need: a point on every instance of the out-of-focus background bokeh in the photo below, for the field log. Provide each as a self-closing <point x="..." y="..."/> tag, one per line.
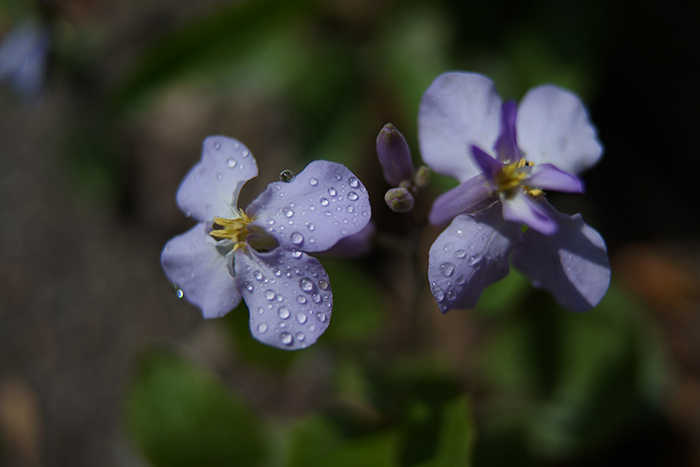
<point x="102" y="365"/>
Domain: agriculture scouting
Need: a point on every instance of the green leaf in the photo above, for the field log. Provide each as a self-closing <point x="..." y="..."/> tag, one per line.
<point x="316" y="442"/>
<point x="181" y="417"/>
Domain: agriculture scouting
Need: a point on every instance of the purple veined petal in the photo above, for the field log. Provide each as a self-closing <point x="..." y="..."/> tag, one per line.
<point x="193" y="263"/>
<point x="553" y="127"/>
<point x="488" y="165"/>
<point x="355" y="245"/>
<point x="521" y="209"/>
<point x="470" y="196"/>
<point x="288" y="295"/>
<point x="548" y="177"/>
<point x="457" y="111"/>
<point x="507" y="143"/>
<point x="572" y="265"/>
<point x="323" y="204"/>
<point x="211" y="187"/>
<point x="469" y="255"/>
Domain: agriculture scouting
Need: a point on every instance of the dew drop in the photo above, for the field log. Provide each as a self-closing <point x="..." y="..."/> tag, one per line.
<point x="288" y="212"/>
<point x="219" y="176"/>
<point x="473" y="260"/>
<point x="270" y="295"/>
<point x="312" y="327"/>
<point x="324" y="202"/>
<point x="301" y="299"/>
<point x="438" y="293"/>
<point x="297" y="238"/>
<point x="236" y="145"/>
<point x="323" y="285"/>
<point x="352" y="196"/>
<point x="316" y="298"/>
<point x="301" y="317"/>
<point x="283" y="312"/>
<point x="447" y="269"/>
<point x="261" y="310"/>
<point x="313" y="181"/>
<point x="338" y="177"/>
<point x="332" y="192"/>
<point x="231" y="162"/>
<point x="305" y="284"/>
<point x="296" y="254"/>
<point x="321" y="317"/>
<point x="349" y="209"/>
<point x="460" y="254"/>
<point x="258" y="275"/>
<point x="301" y="336"/>
<point x="286" y="176"/>
<point x="246" y="153"/>
<point x="179" y="293"/>
<point x="311" y="227"/>
<point x="248" y="286"/>
<point x="471" y="247"/>
<point x="277" y="272"/>
<point x="286" y="338"/>
<point x="461" y="280"/>
<point x="217" y="145"/>
<point x="354" y="182"/>
<point x="262" y="328"/>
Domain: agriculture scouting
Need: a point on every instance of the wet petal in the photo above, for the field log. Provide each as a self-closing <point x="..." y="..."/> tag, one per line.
<point x="553" y="127"/>
<point x="572" y="265"/>
<point x="193" y="263"/>
<point x="211" y="188"/>
<point x="457" y="111"/>
<point x="521" y="209"/>
<point x="323" y="204"/>
<point x="288" y="296"/>
<point x="548" y="177"/>
<point x="355" y="245"/>
<point x="507" y="144"/>
<point x="469" y="255"/>
<point x="470" y="196"/>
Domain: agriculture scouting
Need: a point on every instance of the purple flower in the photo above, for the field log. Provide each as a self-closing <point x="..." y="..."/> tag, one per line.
<point x="504" y="156"/>
<point x="23" y="57"/>
<point x="258" y="253"/>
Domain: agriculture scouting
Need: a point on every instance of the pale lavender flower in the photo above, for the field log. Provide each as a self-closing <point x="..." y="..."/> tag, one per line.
<point x="258" y="254"/>
<point x="23" y="58"/>
<point x="504" y="156"/>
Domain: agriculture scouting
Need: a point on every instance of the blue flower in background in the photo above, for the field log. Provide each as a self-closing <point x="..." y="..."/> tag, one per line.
<point x="504" y="156"/>
<point x="23" y="58"/>
<point x="258" y="254"/>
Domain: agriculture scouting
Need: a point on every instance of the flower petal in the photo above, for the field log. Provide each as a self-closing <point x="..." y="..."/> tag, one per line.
<point x="193" y="263"/>
<point x="553" y="127"/>
<point x="470" y="196"/>
<point x="469" y="255"/>
<point x="323" y="204"/>
<point x="355" y="245"/>
<point x="520" y="208"/>
<point x="288" y="296"/>
<point x="571" y="265"/>
<point x="507" y="144"/>
<point x="487" y="163"/>
<point x="394" y="155"/>
<point x="211" y="188"/>
<point x="457" y="111"/>
<point x="23" y="58"/>
<point x="548" y="177"/>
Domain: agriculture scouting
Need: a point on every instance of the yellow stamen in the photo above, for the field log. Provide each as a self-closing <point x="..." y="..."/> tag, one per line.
<point x="510" y="177"/>
<point x="232" y="229"/>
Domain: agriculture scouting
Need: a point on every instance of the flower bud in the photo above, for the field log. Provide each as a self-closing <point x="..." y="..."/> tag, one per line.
<point x="394" y="155"/>
<point x="399" y="200"/>
<point x="422" y="177"/>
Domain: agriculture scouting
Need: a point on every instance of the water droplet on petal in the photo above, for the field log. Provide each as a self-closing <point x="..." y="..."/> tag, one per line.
<point x="301" y="299"/>
<point x="231" y="162"/>
<point x="311" y="227"/>
<point x="313" y="181"/>
<point x="323" y="284"/>
<point x="471" y="247"/>
<point x="270" y="295"/>
<point x="473" y="260"/>
<point x="283" y="312"/>
<point x="217" y="145"/>
<point x="446" y="269"/>
<point x="258" y="275"/>
<point x="286" y="338"/>
<point x="349" y="209"/>
<point x="286" y="176"/>
<point x="179" y="293"/>
<point x="316" y="298"/>
<point x="438" y="293"/>
<point x="301" y="317"/>
<point x="277" y="272"/>
<point x="246" y="153"/>
<point x="296" y="254"/>
<point x="297" y="238"/>
<point x="219" y="176"/>
<point x="248" y="286"/>
<point x="262" y="328"/>
<point x="305" y="284"/>
<point x="461" y="280"/>
<point x="354" y="183"/>
<point x="288" y="212"/>
<point x="300" y="336"/>
<point x="352" y="196"/>
<point x="332" y="192"/>
<point x="460" y="254"/>
<point x="324" y="202"/>
<point x="321" y="317"/>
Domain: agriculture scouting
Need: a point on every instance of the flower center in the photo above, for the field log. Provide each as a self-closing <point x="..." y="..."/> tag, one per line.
<point x="235" y="230"/>
<point x="512" y="175"/>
